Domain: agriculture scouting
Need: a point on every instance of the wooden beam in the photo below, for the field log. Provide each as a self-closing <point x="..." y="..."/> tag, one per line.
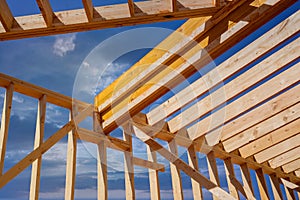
<point x="196" y="175"/>
<point x="175" y="173"/>
<point x="89" y="9"/>
<point x="237" y="86"/>
<point x="247" y="182"/>
<point x="225" y="70"/>
<point x="262" y="185"/>
<point x="6" y="17"/>
<point x="271" y="139"/>
<point x="289" y="193"/>
<point x="102" y="189"/>
<point x="193" y="162"/>
<point x="5" y="119"/>
<point x="285" y="158"/>
<point x="292" y="166"/>
<point x="275" y="184"/>
<point x="37" y="92"/>
<point x="153" y="176"/>
<point x="46" y="10"/>
<point x="148" y="164"/>
<point x="277" y="149"/>
<point x="131" y="8"/>
<point x="128" y="167"/>
<point x="39" y="137"/>
<point x="264" y="128"/>
<point x="174" y="6"/>
<point x="243" y="104"/>
<point x="229" y="171"/>
<point x="213" y="170"/>
<point x="71" y="164"/>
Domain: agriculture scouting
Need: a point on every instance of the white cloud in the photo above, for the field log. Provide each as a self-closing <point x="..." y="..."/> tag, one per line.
<point x="63" y="44"/>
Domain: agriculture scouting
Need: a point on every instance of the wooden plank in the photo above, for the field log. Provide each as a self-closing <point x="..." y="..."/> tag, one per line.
<point x="174" y="5"/>
<point x="292" y="166"/>
<point x="46" y="10"/>
<point x="266" y="127"/>
<point x="196" y="175"/>
<point x="275" y="187"/>
<point x="222" y="72"/>
<point x="6" y="17"/>
<point x="128" y="167"/>
<point x="262" y="185"/>
<point x="271" y="139"/>
<point x="131" y="8"/>
<point x="137" y="104"/>
<point x="148" y="164"/>
<point x="277" y="149"/>
<point x="285" y="158"/>
<point x="289" y="193"/>
<point x="5" y="119"/>
<point x="237" y="86"/>
<point x="153" y="176"/>
<point x="37" y="92"/>
<point x="89" y="9"/>
<point x="247" y="182"/>
<point x="175" y="173"/>
<point x="229" y="171"/>
<point x="193" y="162"/>
<point x="244" y="103"/>
<point x="213" y="170"/>
<point x="102" y="190"/>
<point x="38" y="140"/>
<point x="71" y="165"/>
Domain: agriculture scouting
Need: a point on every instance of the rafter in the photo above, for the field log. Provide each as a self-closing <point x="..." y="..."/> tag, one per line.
<point x="46" y="10"/>
<point x="6" y="17"/>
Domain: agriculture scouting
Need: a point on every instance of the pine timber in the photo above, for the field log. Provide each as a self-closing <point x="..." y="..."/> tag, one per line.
<point x="153" y="176"/>
<point x="47" y="12"/>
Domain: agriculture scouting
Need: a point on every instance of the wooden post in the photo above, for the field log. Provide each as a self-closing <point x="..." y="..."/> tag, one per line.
<point x="39" y="137"/>
<point x="5" y="124"/>
<point x="193" y="162"/>
<point x="261" y="182"/>
<point x="71" y="165"/>
<point x="175" y="174"/>
<point x="289" y="193"/>
<point x="129" y="168"/>
<point x="229" y="171"/>
<point x="212" y="169"/>
<point x="245" y="173"/>
<point x="275" y="187"/>
<point x="153" y="176"/>
<point x="102" y="171"/>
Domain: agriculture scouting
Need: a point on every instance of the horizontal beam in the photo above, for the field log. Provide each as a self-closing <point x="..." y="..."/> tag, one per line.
<point x="107" y="17"/>
<point x="37" y="92"/>
<point x="148" y="164"/>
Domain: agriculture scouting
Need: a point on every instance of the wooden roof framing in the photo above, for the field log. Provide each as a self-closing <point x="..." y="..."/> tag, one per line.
<point x="250" y="117"/>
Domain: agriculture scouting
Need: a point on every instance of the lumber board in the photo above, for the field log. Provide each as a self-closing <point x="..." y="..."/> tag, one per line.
<point x="5" y="120"/>
<point x="128" y="168"/>
<point x="229" y="171"/>
<point x="271" y="139"/>
<point x="261" y="183"/>
<point x="38" y="140"/>
<point x="89" y="9"/>
<point x="213" y="170"/>
<point x="277" y="149"/>
<point x="170" y="81"/>
<point x="153" y="176"/>
<point x="244" y="103"/>
<point x="263" y="128"/>
<point x="292" y="166"/>
<point x="211" y="187"/>
<point x="193" y="162"/>
<point x="6" y="17"/>
<point x="148" y="164"/>
<point x="289" y="193"/>
<point x="102" y="184"/>
<point x="275" y="184"/>
<point x="46" y="10"/>
<point x="237" y="86"/>
<point x="222" y="72"/>
<point x="285" y="158"/>
<point x="247" y="182"/>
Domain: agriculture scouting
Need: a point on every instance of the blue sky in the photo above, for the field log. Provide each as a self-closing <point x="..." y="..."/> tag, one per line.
<point x="57" y="63"/>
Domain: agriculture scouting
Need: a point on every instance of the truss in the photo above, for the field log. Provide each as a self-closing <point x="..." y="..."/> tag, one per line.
<point x="252" y="121"/>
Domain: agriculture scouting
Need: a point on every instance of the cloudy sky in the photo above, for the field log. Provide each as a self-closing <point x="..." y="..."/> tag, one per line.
<point x="78" y="65"/>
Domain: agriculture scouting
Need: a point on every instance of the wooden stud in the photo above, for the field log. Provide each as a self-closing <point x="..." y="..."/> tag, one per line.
<point x="129" y="168"/>
<point x="229" y="171"/>
<point x="174" y="7"/>
<point x="131" y="8"/>
<point x="175" y="173"/>
<point x="275" y="187"/>
<point x="46" y="10"/>
<point x="148" y="164"/>
<point x="89" y="9"/>
<point x="102" y="192"/>
<point x="247" y="182"/>
<point x="261" y="182"/>
<point x="6" y="17"/>
<point x="193" y="162"/>
<point x="153" y="176"/>
<point x="39" y="137"/>
<point x="5" y="124"/>
<point x="71" y="164"/>
<point x="292" y="166"/>
<point x="289" y="193"/>
<point x="196" y="175"/>
<point x="285" y="158"/>
<point x="213" y="169"/>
